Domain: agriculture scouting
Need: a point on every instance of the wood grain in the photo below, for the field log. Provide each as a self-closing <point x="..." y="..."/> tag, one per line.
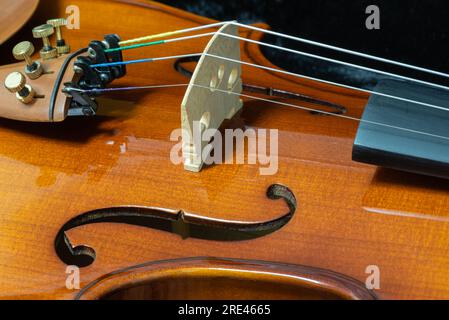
<point x="51" y="173"/>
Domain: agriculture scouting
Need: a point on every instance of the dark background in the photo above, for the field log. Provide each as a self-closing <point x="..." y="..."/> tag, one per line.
<point x="414" y="32"/>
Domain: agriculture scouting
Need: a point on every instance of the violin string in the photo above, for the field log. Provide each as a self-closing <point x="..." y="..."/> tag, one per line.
<point x="122" y="89"/>
<point x="274" y="70"/>
<point x="171" y="33"/>
<point x="290" y="37"/>
<point x="153" y="43"/>
<point x="347" y="51"/>
<point x="123" y="63"/>
<point x="148" y="44"/>
<point x="335" y="61"/>
<point x="119" y="89"/>
<point x="329" y="82"/>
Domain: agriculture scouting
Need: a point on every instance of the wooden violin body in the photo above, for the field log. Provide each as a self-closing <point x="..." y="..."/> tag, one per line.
<point x="349" y="216"/>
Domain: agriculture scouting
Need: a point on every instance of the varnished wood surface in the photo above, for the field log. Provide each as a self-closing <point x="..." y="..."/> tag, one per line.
<point x="349" y="215"/>
<point x="225" y="279"/>
<point x="14" y="15"/>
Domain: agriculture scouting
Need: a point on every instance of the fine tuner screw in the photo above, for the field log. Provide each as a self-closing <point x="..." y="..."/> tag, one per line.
<point x="23" y="51"/>
<point x="16" y="83"/>
<point x="61" y="45"/>
<point x="43" y="32"/>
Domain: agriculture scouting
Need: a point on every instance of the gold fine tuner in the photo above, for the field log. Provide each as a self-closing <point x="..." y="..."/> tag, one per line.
<point x="44" y="31"/>
<point x="23" y="51"/>
<point x="61" y="45"/>
<point x="16" y="83"/>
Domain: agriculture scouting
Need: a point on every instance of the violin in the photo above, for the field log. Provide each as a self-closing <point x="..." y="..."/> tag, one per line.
<point x="336" y="193"/>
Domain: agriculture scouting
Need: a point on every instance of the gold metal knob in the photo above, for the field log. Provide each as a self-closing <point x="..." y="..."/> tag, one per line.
<point x="61" y="45"/>
<point x="23" y="51"/>
<point x="44" y="31"/>
<point x="16" y="83"/>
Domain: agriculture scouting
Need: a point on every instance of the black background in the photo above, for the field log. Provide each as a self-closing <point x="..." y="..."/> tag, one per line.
<point x="413" y="31"/>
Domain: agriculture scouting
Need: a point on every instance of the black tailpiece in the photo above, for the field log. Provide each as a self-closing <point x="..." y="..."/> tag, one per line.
<point x="88" y="78"/>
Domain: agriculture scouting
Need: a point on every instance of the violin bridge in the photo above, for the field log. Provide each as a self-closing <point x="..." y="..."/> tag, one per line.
<point x="206" y="103"/>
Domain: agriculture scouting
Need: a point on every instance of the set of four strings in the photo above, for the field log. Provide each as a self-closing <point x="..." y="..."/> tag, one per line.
<point x="143" y="42"/>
